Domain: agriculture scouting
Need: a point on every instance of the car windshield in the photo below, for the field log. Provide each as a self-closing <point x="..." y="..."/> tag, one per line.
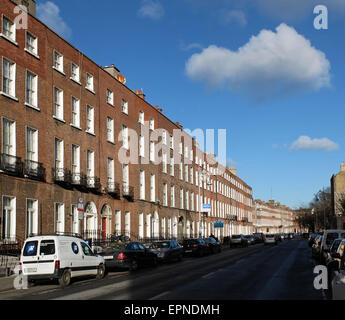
<point x="236" y="237"/>
<point x="191" y="241"/>
<point x="331" y="237"/>
<point x="269" y="236"/>
<point x="164" y="244"/>
<point x="114" y="247"/>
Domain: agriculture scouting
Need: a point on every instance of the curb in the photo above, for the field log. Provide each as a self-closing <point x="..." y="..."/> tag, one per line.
<point x="6" y="284"/>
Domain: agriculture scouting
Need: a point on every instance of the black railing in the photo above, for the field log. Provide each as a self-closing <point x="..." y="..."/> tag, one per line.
<point x="34" y="170"/>
<point x="93" y="183"/>
<point x="11" y="165"/>
<point x="128" y="192"/>
<point x="78" y="179"/>
<point x="62" y="175"/>
<point x="113" y="188"/>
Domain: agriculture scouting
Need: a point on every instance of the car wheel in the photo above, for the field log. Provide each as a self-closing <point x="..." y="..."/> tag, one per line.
<point x="65" y="278"/>
<point x="100" y="271"/>
<point x="134" y="265"/>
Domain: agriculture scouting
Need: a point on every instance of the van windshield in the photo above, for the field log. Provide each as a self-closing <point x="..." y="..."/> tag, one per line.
<point x="47" y="247"/>
<point x="30" y="249"/>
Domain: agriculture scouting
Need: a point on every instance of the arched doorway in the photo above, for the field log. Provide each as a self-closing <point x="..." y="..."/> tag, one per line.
<point x="90" y="221"/>
<point x="106" y="216"/>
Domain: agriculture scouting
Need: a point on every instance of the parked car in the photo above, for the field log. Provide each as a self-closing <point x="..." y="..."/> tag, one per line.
<point x="316" y="248"/>
<point x="270" y="239"/>
<point x="167" y="250"/>
<point x="328" y="237"/>
<point x="259" y="237"/>
<point x="279" y="237"/>
<point x="213" y="245"/>
<point x="239" y="241"/>
<point x="250" y="239"/>
<point x="59" y="258"/>
<point x="333" y="260"/>
<point x="311" y="239"/>
<point x="130" y="256"/>
<point x="195" y="247"/>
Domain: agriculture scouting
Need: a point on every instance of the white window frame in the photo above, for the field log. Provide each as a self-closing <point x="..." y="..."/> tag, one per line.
<point x="75" y="109"/>
<point x="34" y="50"/>
<point x="110" y="130"/>
<point x="141" y="117"/>
<point x="124" y="106"/>
<point x="31" y="100"/>
<point x="75" y="76"/>
<point x="11" y="146"/>
<point x="90" y="163"/>
<point x="31" y="217"/>
<point x="142" y="190"/>
<point x="58" y="62"/>
<point x="153" y="188"/>
<point x="90" y="85"/>
<point x="32" y="155"/>
<point x="12" y="30"/>
<point x="59" y="212"/>
<point x="90" y="119"/>
<point x="11" y="91"/>
<point x="125" y="142"/>
<point x="110" y="97"/>
<point x="58" y="106"/>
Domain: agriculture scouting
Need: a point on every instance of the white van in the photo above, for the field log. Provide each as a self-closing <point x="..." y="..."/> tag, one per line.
<point x="59" y="257"/>
<point x="328" y="237"/>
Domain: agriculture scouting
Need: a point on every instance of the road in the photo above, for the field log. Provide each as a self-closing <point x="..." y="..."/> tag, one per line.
<point x="283" y="272"/>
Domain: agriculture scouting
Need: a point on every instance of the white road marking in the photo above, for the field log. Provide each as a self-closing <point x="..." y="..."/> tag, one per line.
<point x="160" y="295"/>
<point x="209" y="275"/>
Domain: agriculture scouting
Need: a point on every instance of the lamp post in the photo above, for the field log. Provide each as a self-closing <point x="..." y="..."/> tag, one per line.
<point x="202" y="175"/>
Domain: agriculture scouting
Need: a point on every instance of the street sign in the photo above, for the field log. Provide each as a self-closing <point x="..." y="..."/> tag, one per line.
<point x="219" y="224"/>
<point x="80" y="208"/>
<point x="206" y="208"/>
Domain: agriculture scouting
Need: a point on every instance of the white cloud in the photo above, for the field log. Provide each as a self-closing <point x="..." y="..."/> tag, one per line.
<point x="233" y="17"/>
<point x="306" y="143"/>
<point x="270" y="66"/>
<point x="191" y="46"/>
<point x="151" y="9"/>
<point x="49" y="13"/>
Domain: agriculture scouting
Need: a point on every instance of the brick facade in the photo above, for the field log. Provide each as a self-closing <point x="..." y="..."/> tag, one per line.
<point x="231" y="197"/>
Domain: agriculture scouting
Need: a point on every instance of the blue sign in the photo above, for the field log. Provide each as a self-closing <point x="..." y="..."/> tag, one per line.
<point x="75" y="248"/>
<point x="219" y="224"/>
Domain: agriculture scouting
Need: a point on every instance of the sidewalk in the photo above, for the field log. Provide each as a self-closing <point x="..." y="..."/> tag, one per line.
<point x="6" y="283"/>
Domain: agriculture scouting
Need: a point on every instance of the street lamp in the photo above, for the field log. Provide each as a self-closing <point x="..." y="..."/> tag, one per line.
<point x="202" y="175"/>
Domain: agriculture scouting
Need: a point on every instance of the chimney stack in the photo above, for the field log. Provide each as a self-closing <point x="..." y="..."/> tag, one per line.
<point x="342" y="167"/>
<point x="115" y="73"/>
<point x="141" y="94"/>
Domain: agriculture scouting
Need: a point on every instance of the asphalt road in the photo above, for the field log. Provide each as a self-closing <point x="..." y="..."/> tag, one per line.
<point x="283" y="272"/>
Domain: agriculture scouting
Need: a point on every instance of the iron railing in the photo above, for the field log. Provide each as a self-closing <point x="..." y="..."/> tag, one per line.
<point x="34" y="170"/>
<point x="62" y="176"/>
<point x="11" y="165"/>
<point x="113" y="188"/>
<point x="93" y="183"/>
<point x="128" y="192"/>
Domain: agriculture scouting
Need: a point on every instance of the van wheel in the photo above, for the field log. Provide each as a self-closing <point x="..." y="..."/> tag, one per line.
<point x="100" y="271"/>
<point x="65" y="278"/>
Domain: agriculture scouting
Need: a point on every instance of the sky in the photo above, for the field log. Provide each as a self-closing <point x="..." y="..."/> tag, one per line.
<point x="261" y="69"/>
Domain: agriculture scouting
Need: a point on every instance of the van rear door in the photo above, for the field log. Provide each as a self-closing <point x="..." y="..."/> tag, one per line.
<point x="47" y="257"/>
<point x="29" y="257"/>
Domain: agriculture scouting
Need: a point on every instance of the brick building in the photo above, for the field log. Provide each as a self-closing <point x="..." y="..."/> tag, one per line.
<point x="272" y="217"/>
<point x="73" y="130"/>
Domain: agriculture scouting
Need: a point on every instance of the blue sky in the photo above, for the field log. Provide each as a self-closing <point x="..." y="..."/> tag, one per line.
<point x="258" y="69"/>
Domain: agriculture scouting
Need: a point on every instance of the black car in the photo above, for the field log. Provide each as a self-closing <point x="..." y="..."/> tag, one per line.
<point x="259" y="237"/>
<point x="167" y="250"/>
<point x="213" y="245"/>
<point x="195" y="247"/>
<point x="130" y="256"/>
